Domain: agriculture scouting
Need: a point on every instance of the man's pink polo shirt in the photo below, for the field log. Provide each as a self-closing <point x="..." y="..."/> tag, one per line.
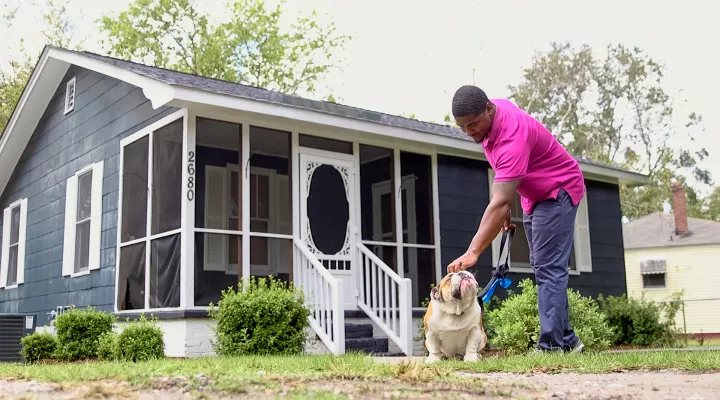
<point x="520" y="147"/>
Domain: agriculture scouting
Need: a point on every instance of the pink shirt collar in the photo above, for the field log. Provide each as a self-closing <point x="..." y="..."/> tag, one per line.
<point x="496" y="125"/>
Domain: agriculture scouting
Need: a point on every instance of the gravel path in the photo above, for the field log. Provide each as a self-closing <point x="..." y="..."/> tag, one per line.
<point x="615" y="386"/>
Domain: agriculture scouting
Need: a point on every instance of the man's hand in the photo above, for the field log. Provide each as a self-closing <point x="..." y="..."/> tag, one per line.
<point x="508" y="225"/>
<point x="463" y="262"/>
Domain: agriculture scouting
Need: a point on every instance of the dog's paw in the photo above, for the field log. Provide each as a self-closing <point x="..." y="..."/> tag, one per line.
<point x="433" y="358"/>
<point x="471" y="357"/>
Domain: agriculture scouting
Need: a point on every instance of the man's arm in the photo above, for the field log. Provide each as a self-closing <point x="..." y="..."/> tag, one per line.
<point x="490" y="225"/>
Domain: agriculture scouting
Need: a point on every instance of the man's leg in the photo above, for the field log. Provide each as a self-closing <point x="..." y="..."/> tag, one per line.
<point x="553" y="223"/>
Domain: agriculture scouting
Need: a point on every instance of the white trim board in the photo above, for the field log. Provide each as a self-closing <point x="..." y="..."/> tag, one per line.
<point x="54" y="63"/>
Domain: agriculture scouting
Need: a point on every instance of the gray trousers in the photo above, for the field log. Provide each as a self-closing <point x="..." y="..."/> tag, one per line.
<point x="550" y="230"/>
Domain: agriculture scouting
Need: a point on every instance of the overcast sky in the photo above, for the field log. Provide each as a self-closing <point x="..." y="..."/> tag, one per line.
<point x="409" y="56"/>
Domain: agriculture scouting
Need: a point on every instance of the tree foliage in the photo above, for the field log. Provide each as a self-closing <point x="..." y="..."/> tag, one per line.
<point x="249" y="48"/>
<point x="615" y="110"/>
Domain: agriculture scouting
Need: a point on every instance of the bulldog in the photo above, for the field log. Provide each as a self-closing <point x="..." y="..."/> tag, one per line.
<point x="453" y="320"/>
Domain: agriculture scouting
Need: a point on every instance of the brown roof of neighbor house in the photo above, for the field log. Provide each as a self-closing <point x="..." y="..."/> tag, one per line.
<point x="658" y="230"/>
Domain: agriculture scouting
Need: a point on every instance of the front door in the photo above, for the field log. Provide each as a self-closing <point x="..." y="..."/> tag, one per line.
<point x="327" y="214"/>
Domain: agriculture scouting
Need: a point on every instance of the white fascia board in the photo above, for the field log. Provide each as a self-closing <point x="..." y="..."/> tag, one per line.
<point x="186" y="97"/>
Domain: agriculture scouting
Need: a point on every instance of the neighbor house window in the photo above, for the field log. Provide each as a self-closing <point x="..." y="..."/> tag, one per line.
<point x="580" y="256"/>
<point x="70" y="95"/>
<point x="12" y="268"/>
<point x="149" y="216"/>
<point x="653" y="272"/>
<point x="83" y="221"/>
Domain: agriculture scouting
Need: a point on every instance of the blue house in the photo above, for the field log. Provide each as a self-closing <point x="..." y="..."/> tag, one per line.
<point x="137" y="189"/>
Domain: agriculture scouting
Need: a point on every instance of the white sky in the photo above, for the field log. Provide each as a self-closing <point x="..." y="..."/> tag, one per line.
<point x="409" y="56"/>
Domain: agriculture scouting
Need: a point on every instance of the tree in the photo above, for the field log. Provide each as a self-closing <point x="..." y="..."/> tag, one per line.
<point x="250" y="48"/>
<point x="614" y="110"/>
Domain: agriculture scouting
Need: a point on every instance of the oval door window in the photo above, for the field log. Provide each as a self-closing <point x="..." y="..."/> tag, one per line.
<point x="328" y="210"/>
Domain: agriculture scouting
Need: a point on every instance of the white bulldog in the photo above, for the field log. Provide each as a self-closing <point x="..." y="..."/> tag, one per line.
<point x="453" y="320"/>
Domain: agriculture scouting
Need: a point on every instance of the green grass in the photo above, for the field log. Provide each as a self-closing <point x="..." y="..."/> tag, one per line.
<point x="237" y="374"/>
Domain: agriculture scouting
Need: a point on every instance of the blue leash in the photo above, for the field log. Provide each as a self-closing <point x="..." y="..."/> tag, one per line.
<point x="498" y="276"/>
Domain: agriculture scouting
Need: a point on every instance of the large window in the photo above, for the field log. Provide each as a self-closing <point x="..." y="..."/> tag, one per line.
<point x="12" y="267"/>
<point x="580" y="257"/>
<point x="83" y="221"/>
<point x="410" y="241"/>
<point x="151" y="194"/>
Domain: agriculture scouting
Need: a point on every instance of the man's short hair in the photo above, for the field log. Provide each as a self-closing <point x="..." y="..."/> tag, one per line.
<point x="469" y="100"/>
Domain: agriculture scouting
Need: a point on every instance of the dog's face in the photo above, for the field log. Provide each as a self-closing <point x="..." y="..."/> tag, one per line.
<point x="456" y="292"/>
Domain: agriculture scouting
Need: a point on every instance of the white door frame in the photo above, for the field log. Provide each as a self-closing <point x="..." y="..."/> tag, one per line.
<point x="343" y="160"/>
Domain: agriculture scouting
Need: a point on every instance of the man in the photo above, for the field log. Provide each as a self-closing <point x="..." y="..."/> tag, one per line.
<point x="527" y="159"/>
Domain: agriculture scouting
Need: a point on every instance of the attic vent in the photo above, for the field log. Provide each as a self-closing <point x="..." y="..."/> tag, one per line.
<point x="70" y="96"/>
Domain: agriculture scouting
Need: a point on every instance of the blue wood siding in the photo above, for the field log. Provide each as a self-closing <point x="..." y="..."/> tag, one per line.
<point x="106" y="110"/>
<point x="464" y="194"/>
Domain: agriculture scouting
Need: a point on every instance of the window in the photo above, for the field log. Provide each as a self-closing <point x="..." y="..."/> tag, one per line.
<point x="83" y="221"/>
<point x="151" y="194"/>
<point x="580" y="256"/>
<point x="653" y="270"/>
<point x="70" y="95"/>
<point x="12" y="268"/>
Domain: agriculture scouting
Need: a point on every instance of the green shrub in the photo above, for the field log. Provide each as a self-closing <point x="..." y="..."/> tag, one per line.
<point x="141" y="340"/>
<point x="515" y="324"/>
<point x="38" y="346"/>
<point x="638" y="322"/>
<point x="262" y="317"/>
<point x="78" y="332"/>
<point x="107" y="349"/>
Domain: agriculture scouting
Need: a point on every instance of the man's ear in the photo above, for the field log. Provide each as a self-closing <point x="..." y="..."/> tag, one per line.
<point x="435" y="294"/>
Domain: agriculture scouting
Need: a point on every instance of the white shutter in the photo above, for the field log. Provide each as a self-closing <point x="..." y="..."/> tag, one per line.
<point x="68" y="266"/>
<point x="96" y="216"/>
<point x="495" y="243"/>
<point x="216" y="197"/>
<point x="583" y="256"/>
<point x="21" y="242"/>
<point x="7" y="221"/>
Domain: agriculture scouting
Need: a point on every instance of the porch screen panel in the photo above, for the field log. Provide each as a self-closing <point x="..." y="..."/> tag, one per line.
<point x="131" y="279"/>
<point x="135" y="190"/>
<point x="415" y="170"/>
<point x="275" y="261"/>
<point x="218" y="207"/>
<point x="269" y="182"/>
<point x="419" y="266"/>
<point x="376" y="194"/>
<point x="167" y="177"/>
<point x="165" y="272"/>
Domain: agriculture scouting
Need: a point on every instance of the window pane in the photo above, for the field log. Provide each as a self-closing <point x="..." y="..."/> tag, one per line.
<point x="416" y="182"/>
<point x="279" y="261"/>
<point x="520" y="251"/>
<point x="376" y="189"/>
<point x="259" y="251"/>
<point x="82" y="246"/>
<point x="213" y="273"/>
<point x="135" y="183"/>
<point x="84" y="197"/>
<point x="167" y="177"/>
<point x="131" y="279"/>
<point x="271" y="195"/>
<point x="15" y="225"/>
<point x="420" y="268"/>
<point x="12" y="266"/>
<point x="218" y="189"/>
<point x="654" y="281"/>
<point x="321" y="143"/>
<point x="165" y="272"/>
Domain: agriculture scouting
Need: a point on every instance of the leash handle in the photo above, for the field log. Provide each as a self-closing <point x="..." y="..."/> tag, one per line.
<point x="506" y="236"/>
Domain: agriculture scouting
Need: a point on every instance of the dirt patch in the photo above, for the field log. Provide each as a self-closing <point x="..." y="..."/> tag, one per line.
<point x="559" y="386"/>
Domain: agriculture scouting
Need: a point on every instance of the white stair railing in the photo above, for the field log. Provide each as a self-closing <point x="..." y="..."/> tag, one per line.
<point x="386" y="298"/>
<point x="322" y="293"/>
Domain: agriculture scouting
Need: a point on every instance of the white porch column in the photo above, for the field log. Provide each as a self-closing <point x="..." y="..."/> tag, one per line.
<point x="187" y="210"/>
<point x="436" y="216"/>
<point x="245" y="181"/>
<point x="397" y="174"/>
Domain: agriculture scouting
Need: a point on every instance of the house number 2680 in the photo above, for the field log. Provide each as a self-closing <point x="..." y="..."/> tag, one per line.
<point x="191" y="176"/>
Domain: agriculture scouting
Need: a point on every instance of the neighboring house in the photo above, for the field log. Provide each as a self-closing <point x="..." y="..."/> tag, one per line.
<point x="671" y="253"/>
<point x="138" y="189"/>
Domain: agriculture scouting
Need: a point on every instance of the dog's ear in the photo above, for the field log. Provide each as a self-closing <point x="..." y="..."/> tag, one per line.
<point x="435" y="293"/>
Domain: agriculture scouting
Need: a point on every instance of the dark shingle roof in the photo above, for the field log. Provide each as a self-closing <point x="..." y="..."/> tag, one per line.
<point x="254" y="93"/>
<point x="658" y="230"/>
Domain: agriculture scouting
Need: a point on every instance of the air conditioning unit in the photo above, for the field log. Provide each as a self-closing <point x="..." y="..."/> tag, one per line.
<point x="14" y="327"/>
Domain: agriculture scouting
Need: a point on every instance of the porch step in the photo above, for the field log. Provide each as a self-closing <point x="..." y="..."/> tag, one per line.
<point x="356" y="331"/>
<point x="359" y="337"/>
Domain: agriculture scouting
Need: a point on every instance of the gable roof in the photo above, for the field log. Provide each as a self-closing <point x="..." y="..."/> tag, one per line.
<point x="658" y="230"/>
<point x="167" y="87"/>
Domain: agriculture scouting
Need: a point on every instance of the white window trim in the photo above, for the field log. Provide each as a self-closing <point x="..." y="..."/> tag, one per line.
<point x="70" y="105"/>
<point x="581" y="238"/>
<point x="96" y="216"/>
<point x="4" y="263"/>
